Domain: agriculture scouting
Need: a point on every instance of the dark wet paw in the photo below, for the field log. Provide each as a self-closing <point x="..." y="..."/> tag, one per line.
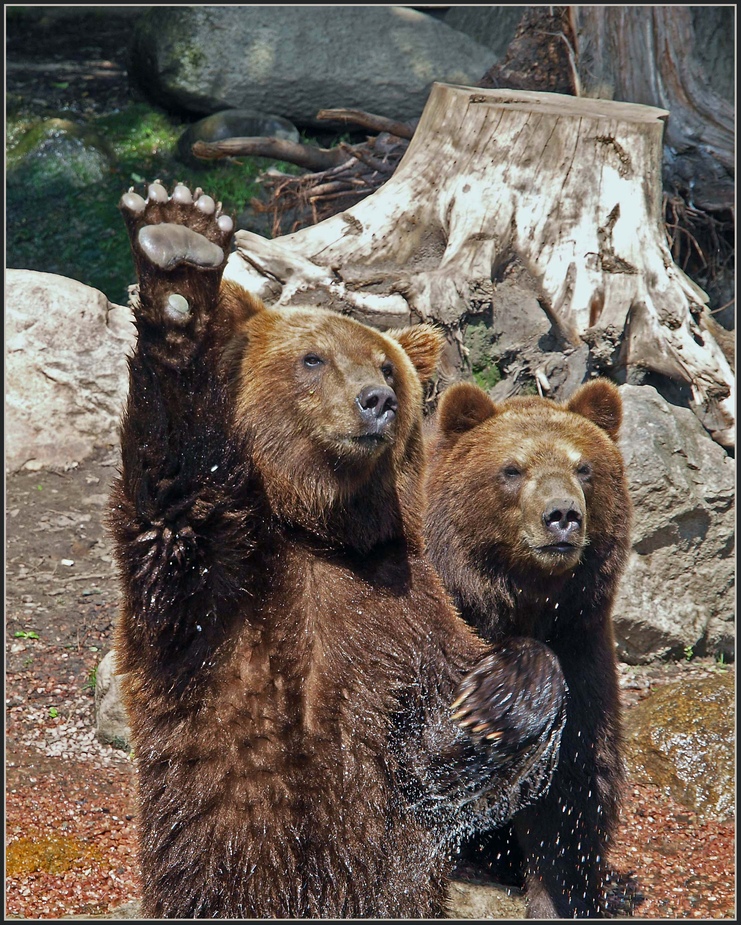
<point x="514" y="697"/>
<point x="180" y="244"/>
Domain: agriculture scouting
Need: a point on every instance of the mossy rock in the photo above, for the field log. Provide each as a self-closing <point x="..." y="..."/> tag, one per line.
<point x="58" y="150"/>
<point x="682" y="739"/>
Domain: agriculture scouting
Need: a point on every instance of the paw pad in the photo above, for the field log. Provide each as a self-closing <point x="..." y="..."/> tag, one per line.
<point x="178" y="307"/>
<point x="168" y="245"/>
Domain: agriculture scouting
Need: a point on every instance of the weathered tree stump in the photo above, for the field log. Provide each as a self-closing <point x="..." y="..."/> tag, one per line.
<point x="571" y="188"/>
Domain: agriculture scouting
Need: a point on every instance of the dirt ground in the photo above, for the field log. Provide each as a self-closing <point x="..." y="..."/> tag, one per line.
<point x="70" y="801"/>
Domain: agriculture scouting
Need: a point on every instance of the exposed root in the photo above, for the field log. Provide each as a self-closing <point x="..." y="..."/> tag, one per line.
<point x="702" y="244"/>
<point x="299" y="201"/>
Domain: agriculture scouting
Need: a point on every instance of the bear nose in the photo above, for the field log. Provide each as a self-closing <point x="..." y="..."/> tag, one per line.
<point x="378" y="406"/>
<point x="563" y="518"/>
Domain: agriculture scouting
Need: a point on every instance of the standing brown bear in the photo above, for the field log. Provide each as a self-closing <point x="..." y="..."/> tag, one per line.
<point x="528" y="524"/>
<point x="291" y="659"/>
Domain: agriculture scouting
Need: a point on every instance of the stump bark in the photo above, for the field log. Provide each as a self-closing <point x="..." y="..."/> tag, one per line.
<point x="571" y="188"/>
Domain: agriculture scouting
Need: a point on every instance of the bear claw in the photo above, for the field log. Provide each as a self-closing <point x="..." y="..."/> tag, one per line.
<point x="513" y="696"/>
<point x="156" y="192"/>
<point x="182" y="195"/>
<point x="206" y="204"/>
<point x="133" y="201"/>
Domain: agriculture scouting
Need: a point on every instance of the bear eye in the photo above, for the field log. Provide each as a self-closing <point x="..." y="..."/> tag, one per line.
<point x="511" y="471"/>
<point x="312" y="360"/>
<point x="584" y="471"/>
<point x="388" y="371"/>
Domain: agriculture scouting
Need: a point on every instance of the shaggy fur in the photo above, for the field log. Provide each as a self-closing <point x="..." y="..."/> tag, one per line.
<point x="290" y="656"/>
<point x="528" y="523"/>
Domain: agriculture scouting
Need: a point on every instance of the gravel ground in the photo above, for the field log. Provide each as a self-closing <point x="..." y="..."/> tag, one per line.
<point x="70" y="801"/>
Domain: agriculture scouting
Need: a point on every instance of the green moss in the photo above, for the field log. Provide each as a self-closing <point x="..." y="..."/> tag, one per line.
<point x="480" y="343"/>
<point x="60" y="221"/>
<point x="487" y="376"/>
<point x="139" y="133"/>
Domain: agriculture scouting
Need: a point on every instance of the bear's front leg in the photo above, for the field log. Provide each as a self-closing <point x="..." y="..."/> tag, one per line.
<point x="183" y="510"/>
<point x="512" y="705"/>
<point x="565" y="837"/>
<point x="499" y="741"/>
<point x="180" y="244"/>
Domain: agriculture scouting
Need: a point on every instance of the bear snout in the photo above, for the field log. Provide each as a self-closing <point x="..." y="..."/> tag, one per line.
<point x="378" y="406"/>
<point x="563" y="519"/>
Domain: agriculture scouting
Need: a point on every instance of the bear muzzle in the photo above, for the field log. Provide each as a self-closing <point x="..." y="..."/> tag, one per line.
<point x="554" y="523"/>
<point x="563" y="520"/>
<point x="561" y="536"/>
<point x="378" y="406"/>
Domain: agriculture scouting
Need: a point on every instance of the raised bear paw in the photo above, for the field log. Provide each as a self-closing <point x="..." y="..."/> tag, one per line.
<point x="514" y="700"/>
<point x="180" y="244"/>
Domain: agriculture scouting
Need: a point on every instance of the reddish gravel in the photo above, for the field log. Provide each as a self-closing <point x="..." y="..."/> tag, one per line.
<point x="70" y="833"/>
<point x="70" y="804"/>
<point x="683" y="868"/>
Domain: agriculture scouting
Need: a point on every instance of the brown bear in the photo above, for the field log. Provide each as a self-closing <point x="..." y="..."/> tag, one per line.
<point x="528" y="524"/>
<point x="292" y="663"/>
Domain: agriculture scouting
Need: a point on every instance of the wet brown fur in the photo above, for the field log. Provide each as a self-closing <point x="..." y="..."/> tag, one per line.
<point x="290" y="656"/>
<point x="482" y="524"/>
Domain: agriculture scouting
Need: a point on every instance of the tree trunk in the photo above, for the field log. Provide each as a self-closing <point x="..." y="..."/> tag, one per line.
<point x="571" y="188"/>
<point x="644" y="54"/>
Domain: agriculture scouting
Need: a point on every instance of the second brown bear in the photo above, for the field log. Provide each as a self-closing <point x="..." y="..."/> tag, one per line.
<point x="528" y="523"/>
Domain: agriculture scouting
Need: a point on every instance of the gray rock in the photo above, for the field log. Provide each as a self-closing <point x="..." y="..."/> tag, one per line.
<point x="511" y="344"/>
<point x="66" y="373"/>
<point x="296" y="60"/>
<point x="678" y="589"/>
<point x="485" y="901"/>
<point x="111" y="721"/>
<point x="127" y="910"/>
<point x="493" y="26"/>
<point x="682" y="737"/>
<point x="233" y="123"/>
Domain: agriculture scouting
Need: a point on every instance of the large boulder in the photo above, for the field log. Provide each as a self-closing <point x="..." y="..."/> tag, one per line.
<point x="493" y="26"/>
<point x="677" y="593"/>
<point x="66" y="372"/>
<point x="296" y="60"/>
<point x="682" y="737"/>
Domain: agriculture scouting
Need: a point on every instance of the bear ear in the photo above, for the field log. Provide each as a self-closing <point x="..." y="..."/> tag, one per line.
<point x="237" y="304"/>
<point x="462" y="407"/>
<point x="423" y="345"/>
<point x="600" y="402"/>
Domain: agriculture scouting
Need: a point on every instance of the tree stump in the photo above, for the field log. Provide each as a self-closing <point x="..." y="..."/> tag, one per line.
<point x="568" y="187"/>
